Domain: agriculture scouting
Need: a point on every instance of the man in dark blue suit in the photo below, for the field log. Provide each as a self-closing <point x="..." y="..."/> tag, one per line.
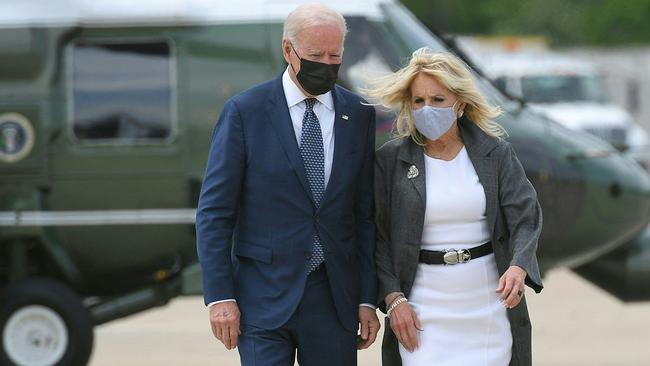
<point x="285" y="232"/>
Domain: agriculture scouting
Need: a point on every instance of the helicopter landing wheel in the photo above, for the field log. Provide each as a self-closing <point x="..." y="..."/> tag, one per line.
<point x="43" y="323"/>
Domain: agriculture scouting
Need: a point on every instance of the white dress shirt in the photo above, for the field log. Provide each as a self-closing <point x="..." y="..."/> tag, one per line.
<point x="324" y="110"/>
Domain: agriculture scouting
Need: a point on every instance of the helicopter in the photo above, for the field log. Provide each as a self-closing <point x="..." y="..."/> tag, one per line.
<point x="106" y="113"/>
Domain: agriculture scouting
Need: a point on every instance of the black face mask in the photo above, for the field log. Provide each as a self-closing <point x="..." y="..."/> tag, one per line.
<point x="315" y="77"/>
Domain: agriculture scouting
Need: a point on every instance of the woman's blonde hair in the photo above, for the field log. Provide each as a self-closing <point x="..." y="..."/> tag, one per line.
<point x="394" y="91"/>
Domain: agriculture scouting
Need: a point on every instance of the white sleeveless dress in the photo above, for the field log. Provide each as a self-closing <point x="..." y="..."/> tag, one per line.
<point x="462" y="316"/>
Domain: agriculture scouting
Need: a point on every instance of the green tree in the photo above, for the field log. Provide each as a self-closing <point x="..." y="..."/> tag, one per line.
<point x="563" y="22"/>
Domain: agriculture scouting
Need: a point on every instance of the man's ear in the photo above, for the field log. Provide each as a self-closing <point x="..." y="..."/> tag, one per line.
<point x="286" y="50"/>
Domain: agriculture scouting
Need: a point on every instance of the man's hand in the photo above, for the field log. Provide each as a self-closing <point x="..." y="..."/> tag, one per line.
<point x="224" y="319"/>
<point x="369" y="324"/>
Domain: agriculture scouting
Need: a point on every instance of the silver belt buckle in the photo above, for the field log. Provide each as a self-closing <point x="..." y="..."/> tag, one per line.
<point x="453" y="256"/>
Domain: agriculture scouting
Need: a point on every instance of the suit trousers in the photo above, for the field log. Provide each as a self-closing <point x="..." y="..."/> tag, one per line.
<point x="314" y="332"/>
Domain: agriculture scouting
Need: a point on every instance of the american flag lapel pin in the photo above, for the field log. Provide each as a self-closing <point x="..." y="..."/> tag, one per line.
<point x="345" y="116"/>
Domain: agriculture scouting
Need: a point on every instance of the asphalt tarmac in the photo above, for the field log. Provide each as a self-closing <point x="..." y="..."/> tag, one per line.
<point x="574" y="323"/>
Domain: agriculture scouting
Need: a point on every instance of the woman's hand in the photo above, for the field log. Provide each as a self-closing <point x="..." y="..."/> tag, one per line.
<point x="404" y="323"/>
<point x="512" y="286"/>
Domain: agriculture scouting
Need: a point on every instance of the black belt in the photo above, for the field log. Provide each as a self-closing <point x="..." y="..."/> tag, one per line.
<point x="453" y="256"/>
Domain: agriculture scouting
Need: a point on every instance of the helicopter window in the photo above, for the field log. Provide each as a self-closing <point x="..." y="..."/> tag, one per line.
<point x="500" y="83"/>
<point x="121" y="92"/>
<point x="371" y="51"/>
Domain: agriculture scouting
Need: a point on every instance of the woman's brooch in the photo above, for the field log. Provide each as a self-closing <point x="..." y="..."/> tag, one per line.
<point x="413" y="172"/>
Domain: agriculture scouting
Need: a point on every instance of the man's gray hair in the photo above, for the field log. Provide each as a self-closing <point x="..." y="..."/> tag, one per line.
<point x="309" y="15"/>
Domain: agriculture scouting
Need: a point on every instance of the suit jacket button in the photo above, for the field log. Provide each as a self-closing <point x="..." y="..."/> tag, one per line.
<point x="501" y="239"/>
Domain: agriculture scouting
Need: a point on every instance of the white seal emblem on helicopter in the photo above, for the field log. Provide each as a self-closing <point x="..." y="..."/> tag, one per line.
<point x="16" y="137"/>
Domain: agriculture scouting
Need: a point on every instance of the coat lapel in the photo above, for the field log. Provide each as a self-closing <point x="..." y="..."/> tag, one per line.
<point x="278" y="115"/>
<point x="479" y="145"/>
<point x="486" y="170"/>
<point x="412" y="154"/>
<point x="343" y="139"/>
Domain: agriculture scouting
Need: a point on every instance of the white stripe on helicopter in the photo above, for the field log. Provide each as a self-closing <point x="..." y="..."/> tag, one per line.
<point x="103" y="217"/>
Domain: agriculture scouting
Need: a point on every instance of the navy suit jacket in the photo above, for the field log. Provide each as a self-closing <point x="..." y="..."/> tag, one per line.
<point x="256" y="218"/>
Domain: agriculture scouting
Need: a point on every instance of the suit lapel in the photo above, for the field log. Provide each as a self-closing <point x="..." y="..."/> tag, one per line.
<point x="278" y="115"/>
<point x="343" y="139"/>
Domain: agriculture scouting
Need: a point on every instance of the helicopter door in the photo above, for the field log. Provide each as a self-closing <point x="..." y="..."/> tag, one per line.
<point x="118" y="168"/>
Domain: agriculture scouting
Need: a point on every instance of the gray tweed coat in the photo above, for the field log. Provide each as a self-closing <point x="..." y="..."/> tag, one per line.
<point x="512" y="210"/>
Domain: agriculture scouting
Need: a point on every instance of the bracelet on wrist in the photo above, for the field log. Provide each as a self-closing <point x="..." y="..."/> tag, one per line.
<point x="395" y="304"/>
<point x="397" y="296"/>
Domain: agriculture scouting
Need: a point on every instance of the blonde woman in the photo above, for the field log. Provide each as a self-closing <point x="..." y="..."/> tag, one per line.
<point x="457" y="223"/>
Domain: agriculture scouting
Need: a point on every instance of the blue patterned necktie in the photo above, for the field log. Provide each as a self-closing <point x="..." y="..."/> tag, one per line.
<point x="313" y="156"/>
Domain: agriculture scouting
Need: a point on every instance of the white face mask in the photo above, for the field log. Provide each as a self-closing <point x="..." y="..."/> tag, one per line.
<point x="434" y="122"/>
